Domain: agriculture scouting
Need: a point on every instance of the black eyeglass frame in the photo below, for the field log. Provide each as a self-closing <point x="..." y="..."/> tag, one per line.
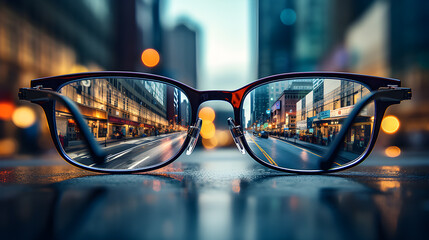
<point x="384" y="92"/>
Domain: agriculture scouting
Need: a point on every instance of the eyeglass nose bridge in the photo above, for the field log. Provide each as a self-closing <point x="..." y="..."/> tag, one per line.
<point x="230" y="97"/>
<point x="234" y="98"/>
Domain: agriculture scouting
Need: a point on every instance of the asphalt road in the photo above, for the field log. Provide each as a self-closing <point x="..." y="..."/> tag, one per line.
<point x="134" y="153"/>
<point x="281" y="153"/>
<point x="287" y="154"/>
<point x="218" y="194"/>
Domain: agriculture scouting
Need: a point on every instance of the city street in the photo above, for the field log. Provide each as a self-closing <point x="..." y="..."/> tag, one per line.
<point x="218" y="194"/>
<point x="281" y="153"/>
<point x="135" y="153"/>
<point x="289" y="154"/>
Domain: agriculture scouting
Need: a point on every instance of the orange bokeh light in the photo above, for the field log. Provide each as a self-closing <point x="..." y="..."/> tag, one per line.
<point x="207" y="114"/>
<point x="208" y="130"/>
<point x="24" y="117"/>
<point x="209" y="143"/>
<point x="390" y="124"/>
<point x="223" y="137"/>
<point x="392" y="151"/>
<point x="150" y="57"/>
<point x="7" y="146"/>
<point x="6" y="110"/>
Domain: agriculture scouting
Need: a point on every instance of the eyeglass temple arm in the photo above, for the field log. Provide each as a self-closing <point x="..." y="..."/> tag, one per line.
<point x="38" y="95"/>
<point x="392" y="95"/>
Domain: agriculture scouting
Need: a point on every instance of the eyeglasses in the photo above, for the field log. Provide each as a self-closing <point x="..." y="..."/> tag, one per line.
<point x="119" y="122"/>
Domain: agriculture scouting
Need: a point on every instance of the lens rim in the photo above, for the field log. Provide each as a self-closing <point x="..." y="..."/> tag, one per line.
<point x="95" y="169"/>
<point x="379" y="110"/>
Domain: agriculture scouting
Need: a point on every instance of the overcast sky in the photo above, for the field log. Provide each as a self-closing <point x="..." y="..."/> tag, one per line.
<point x="225" y="40"/>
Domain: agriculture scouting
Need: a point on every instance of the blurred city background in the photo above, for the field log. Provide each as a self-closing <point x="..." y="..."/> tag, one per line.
<point x="212" y="45"/>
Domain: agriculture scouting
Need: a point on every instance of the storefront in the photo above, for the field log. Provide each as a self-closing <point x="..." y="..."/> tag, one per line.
<point x="146" y="129"/>
<point x="119" y="128"/>
<point x="328" y="125"/>
<point x="305" y="130"/>
<point x="68" y="130"/>
<point x="359" y="135"/>
<point x="326" y="129"/>
<point x="301" y="126"/>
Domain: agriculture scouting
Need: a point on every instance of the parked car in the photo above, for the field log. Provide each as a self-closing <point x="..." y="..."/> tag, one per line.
<point x="263" y="134"/>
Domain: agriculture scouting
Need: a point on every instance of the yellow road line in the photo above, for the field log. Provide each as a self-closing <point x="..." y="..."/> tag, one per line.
<point x="338" y="164"/>
<point x="265" y="153"/>
<point x="309" y="152"/>
<point x="268" y="157"/>
<point x="262" y="151"/>
<point x="272" y="161"/>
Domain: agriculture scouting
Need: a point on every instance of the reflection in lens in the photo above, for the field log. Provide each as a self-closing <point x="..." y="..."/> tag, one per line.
<point x="139" y="123"/>
<point x="292" y="123"/>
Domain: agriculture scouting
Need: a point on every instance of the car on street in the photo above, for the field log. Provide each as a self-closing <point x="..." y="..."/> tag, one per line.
<point x="263" y="134"/>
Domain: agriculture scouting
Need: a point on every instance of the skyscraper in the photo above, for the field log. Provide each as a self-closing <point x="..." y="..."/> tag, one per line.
<point x="181" y="51"/>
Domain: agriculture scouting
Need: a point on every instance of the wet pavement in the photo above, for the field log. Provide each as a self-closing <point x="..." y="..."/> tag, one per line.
<point x="218" y="194"/>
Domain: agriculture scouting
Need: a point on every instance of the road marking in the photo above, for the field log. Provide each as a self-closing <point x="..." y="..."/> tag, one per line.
<point x="269" y="158"/>
<point x="308" y="151"/>
<point x="113" y="157"/>
<point x="132" y="148"/>
<point x="137" y="163"/>
<point x="116" y="155"/>
<point x="130" y="141"/>
<point x="144" y="140"/>
<point x="303" y="149"/>
<point x="265" y="153"/>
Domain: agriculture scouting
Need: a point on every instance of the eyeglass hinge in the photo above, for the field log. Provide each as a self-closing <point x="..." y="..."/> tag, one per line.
<point x="404" y="93"/>
<point x="30" y="95"/>
<point x="40" y="87"/>
<point x="22" y="93"/>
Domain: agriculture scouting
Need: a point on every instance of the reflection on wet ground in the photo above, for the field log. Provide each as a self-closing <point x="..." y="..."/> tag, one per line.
<point x="218" y="194"/>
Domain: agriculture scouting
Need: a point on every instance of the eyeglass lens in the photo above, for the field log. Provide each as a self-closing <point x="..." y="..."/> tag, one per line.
<point x="140" y="123"/>
<point x="292" y="123"/>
